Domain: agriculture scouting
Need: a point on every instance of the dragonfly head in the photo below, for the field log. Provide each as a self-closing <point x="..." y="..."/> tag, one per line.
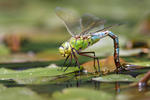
<point x="65" y="49"/>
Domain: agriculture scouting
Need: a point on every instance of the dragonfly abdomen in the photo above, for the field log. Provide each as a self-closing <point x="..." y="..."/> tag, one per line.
<point x="99" y="35"/>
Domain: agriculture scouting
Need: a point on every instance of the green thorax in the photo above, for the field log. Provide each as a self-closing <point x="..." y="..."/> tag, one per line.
<point x="82" y="42"/>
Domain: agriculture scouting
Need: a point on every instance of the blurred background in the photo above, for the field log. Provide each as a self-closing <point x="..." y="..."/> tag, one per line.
<point x="30" y="29"/>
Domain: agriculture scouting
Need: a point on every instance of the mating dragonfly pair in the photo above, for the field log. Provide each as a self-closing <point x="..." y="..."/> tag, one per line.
<point x="85" y="31"/>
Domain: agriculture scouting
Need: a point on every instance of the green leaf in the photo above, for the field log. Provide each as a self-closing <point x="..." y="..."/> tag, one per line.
<point x="146" y="64"/>
<point x="81" y="94"/>
<point x="140" y="76"/>
<point x="133" y="94"/>
<point x="18" y="93"/>
<point x="115" y="78"/>
<point x="34" y="72"/>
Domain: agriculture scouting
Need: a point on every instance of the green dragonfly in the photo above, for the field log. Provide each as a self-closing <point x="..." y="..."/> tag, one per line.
<point x="85" y="31"/>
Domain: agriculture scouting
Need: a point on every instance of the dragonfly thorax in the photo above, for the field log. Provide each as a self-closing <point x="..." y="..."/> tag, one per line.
<point x="65" y="49"/>
<point x="82" y="42"/>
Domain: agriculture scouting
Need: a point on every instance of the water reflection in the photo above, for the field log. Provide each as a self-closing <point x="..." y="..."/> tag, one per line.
<point x="117" y="87"/>
<point x="96" y="85"/>
<point x="85" y="81"/>
<point x="75" y="80"/>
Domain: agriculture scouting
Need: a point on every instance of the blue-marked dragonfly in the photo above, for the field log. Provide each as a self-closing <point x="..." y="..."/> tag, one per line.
<point x="85" y="31"/>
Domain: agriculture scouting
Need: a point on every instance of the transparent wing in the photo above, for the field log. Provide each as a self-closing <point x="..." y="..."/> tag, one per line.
<point x="109" y="27"/>
<point x="71" y="21"/>
<point x="91" y="23"/>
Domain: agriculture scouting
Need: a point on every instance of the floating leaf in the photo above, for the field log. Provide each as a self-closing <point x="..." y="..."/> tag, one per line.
<point x="140" y="76"/>
<point x="34" y="72"/>
<point x="115" y="78"/>
<point x="82" y="94"/>
<point x="106" y="65"/>
<point x="145" y="64"/>
<point x="18" y="93"/>
<point x="133" y="94"/>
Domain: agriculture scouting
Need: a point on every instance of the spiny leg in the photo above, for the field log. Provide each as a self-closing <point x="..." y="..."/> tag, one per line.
<point x="80" y="53"/>
<point x="70" y="62"/>
<point x="75" y="63"/>
<point x="65" y="62"/>
<point x="94" y="61"/>
<point x="90" y="57"/>
<point x="84" y="54"/>
<point x="75" y="57"/>
<point x="89" y="52"/>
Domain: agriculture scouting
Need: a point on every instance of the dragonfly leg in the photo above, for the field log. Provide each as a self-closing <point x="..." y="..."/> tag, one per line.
<point x="65" y="62"/>
<point x="86" y="53"/>
<point x="75" y="57"/>
<point x="116" y="50"/>
<point x="75" y="63"/>
<point x="94" y="57"/>
<point x="70" y="62"/>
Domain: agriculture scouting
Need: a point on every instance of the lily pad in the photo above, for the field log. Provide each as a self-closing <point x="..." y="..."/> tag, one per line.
<point x="81" y="94"/>
<point x="133" y="94"/>
<point x="34" y="72"/>
<point x="18" y="93"/>
<point x="145" y="64"/>
<point x="43" y="79"/>
<point x="106" y="65"/>
<point x="140" y="76"/>
<point x="115" y="78"/>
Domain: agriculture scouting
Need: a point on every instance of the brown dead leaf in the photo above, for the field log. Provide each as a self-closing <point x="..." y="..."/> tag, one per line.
<point x="106" y="65"/>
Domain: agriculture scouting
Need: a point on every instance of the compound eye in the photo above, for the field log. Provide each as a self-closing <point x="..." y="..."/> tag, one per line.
<point x="61" y="50"/>
<point x="66" y="45"/>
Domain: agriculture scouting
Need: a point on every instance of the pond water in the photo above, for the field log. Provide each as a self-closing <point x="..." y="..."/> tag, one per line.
<point x="47" y="82"/>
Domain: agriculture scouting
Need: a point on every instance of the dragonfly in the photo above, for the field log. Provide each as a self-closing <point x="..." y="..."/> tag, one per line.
<point x="85" y="31"/>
